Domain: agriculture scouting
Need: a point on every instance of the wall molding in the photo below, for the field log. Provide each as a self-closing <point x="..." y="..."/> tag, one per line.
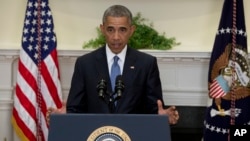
<point x="10" y="53"/>
<point x="175" y="68"/>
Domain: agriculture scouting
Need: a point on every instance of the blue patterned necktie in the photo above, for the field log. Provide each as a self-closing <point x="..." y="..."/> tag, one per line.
<point x="115" y="71"/>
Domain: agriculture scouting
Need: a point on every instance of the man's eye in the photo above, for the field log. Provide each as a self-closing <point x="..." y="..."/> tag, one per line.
<point x="110" y="29"/>
<point x="123" y="29"/>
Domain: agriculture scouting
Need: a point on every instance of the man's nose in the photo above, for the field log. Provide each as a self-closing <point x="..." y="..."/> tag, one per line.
<point x="116" y="35"/>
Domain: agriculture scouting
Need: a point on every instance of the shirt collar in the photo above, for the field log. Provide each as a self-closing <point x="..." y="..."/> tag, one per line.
<point x="110" y="54"/>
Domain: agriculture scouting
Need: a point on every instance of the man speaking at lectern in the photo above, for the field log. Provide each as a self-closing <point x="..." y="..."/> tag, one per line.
<point x="94" y="83"/>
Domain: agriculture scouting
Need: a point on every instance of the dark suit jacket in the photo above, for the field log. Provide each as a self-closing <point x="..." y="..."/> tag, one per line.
<point x="140" y="76"/>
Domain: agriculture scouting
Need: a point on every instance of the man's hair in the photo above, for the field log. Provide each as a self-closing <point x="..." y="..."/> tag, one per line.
<point x="117" y="11"/>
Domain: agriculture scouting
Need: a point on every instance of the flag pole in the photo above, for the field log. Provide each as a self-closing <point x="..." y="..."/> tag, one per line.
<point x="233" y="88"/>
<point x="39" y="59"/>
<point x="234" y="32"/>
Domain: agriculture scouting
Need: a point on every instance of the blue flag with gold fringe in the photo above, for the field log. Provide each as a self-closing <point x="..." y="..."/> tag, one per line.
<point x="229" y="58"/>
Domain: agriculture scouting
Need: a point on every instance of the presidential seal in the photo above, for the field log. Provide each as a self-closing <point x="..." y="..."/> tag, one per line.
<point x="108" y="133"/>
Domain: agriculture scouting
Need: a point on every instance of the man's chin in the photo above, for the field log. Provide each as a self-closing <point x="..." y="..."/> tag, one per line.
<point x="116" y="49"/>
<point x="117" y="46"/>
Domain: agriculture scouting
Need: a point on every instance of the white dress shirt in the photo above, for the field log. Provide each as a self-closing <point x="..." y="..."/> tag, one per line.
<point x="110" y="56"/>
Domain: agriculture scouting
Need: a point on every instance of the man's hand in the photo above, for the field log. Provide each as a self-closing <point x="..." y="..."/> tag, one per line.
<point x="52" y="110"/>
<point x="172" y="113"/>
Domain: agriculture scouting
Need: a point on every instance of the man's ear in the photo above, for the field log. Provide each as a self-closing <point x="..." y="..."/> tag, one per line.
<point x="102" y="28"/>
<point x="133" y="28"/>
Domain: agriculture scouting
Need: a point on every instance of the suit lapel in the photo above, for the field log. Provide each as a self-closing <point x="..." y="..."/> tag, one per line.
<point x="102" y="67"/>
<point x="129" y="66"/>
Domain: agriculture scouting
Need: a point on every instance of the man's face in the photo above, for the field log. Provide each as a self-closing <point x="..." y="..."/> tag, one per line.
<point x="117" y="32"/>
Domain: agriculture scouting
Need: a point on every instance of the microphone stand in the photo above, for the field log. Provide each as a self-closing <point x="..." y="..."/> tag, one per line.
<point x="114" y="97"/>
<point x="106" y="96"/>
<point x="111" y="102"/>
<point x="110" y="98"/>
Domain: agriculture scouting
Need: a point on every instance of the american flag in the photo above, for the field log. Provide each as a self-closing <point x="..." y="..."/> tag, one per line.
<point x="38" y="83"/>
<point x="218" y="87"/>
<point x="229" y="76"/>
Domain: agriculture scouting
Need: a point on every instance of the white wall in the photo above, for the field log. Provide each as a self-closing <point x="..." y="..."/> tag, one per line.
<point x="192" y="22"/>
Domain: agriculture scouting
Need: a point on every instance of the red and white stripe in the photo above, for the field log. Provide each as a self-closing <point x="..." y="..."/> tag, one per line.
<point x="215" y="90"/>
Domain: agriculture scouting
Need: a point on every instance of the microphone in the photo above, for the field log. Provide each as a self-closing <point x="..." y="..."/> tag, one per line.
<point x="119" y="86"/>
<point x="101" y="88"/>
